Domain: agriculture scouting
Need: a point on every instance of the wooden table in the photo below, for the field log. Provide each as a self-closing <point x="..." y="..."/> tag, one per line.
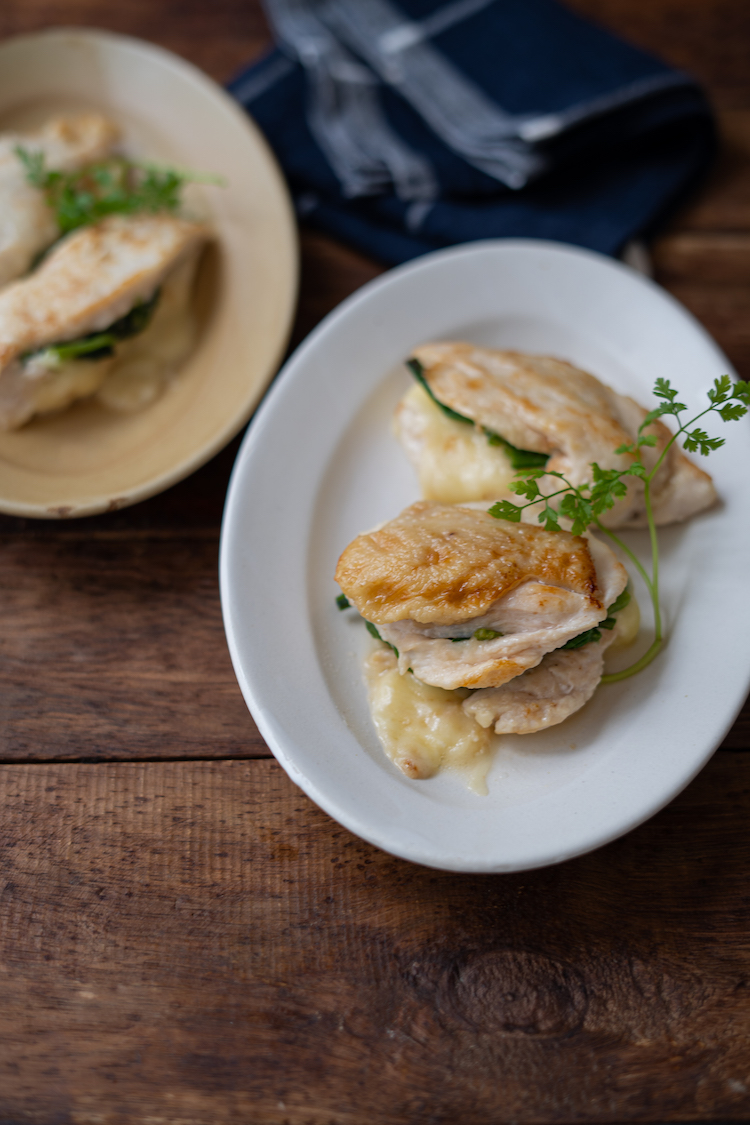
<point x="185" y="939"/>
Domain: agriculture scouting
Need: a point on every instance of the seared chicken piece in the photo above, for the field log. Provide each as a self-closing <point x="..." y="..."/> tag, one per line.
<point x="556" y="688"/>
<point x="91" y="280"/>
<point x="545" y="695"/>
<point x="547" y="406"/>
<point x="471" y="601"/>
<point x="27" y="225"/>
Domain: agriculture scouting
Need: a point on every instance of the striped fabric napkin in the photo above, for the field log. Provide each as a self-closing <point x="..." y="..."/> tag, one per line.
<point x="405" y="128"/>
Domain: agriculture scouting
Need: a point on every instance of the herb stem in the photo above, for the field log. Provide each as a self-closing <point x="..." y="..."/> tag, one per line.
<point x="664" y="453"/>
<point x="682" y="429"/>
<point x="653" y="589"/>
<point x="585" y="503"/>
<point x="654" y="562"/>
<point x="626" y="550"/>
<point x="633" y="669"/>
<point x="544" y="496"/>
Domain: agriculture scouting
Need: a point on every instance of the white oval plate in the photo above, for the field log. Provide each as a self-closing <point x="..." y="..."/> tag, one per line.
<point x="319" y="465"/>
<point x="89" y="459"/>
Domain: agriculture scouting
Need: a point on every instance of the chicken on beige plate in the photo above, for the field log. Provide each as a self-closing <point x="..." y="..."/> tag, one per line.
<point x="107" y="311"/>
<point x="488" y="623"/>
<point x="27" y="224"/>
<point x="479" y="414"/>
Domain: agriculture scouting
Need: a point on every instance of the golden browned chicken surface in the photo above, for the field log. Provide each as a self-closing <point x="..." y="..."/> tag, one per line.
<point x="471" y="601"/>
<point x="441" y="564"/>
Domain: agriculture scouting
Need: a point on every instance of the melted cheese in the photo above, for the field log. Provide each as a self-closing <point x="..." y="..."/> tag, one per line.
<point x="48" y="388"/>
<point x="144" y="364"/>
<point x="423" y="729"/>
<point x="454" y="461"/>
<point x="628" y="624"/>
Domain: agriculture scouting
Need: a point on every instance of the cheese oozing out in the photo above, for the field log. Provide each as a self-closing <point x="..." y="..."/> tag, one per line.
<point x="454" y="461"/>
<point x="144" y="364"/>
<point x="423" y="729"/>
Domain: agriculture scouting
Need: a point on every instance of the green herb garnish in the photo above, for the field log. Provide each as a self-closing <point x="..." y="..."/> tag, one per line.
<point x="342" y="601"/>
<point x="519" y="458"/>
<point x="583" y="505"/>
<point x="99" y="345"/>
<point x="114" y="186"/>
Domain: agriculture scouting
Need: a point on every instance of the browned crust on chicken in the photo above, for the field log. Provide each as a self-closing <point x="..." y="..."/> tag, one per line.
<point x="493" y="673"/>
<point x="440" y="564"/>
<point x="534" y="402"/>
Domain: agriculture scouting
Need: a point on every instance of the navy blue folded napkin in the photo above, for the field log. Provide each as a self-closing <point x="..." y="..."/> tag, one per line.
<point x="405" y="128"/>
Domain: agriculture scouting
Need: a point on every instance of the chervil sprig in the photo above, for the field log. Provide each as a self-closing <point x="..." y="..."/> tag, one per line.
<point x="114" y="186"/>
<point x="584" y="504"/>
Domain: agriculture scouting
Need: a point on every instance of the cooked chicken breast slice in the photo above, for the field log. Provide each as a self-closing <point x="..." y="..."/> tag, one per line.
<point x="95" y="276"/>
<point x="127" y="381"/>
<point x="437" y="573"/>
<point x="442" y="565"/>
<point x="543" y="696"/>
<point x="27" y="225"/>
<point x="91" y="279"/>
<point x="549" y="406"/>
<point x="530" y="621"/>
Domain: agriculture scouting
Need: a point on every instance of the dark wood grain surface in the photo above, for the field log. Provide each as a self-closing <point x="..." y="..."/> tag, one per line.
<point x="186" y="940"/>
<point x="195" y="942"/>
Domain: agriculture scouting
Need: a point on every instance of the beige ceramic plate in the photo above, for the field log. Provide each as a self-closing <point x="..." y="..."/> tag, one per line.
<point x="89" y="459"/>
